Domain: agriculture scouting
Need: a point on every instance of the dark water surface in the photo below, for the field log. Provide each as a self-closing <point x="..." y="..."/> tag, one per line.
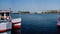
<point x="39" y="24"/>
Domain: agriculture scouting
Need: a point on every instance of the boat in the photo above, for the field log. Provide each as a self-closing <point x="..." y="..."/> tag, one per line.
<point x="5" y="20"/>
<point x="16" y="23"/>
<point x="58" y="22"/>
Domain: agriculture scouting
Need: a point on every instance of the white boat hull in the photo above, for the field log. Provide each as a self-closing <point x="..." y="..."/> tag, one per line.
<point x="5" y="26"/>
<point x="16" y="20"/>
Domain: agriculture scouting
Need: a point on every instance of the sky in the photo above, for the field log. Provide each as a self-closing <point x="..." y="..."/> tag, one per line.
<point x="29" y="5"/>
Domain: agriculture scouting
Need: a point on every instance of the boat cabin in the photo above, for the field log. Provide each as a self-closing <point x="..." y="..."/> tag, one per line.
<point x="5" y="15"/>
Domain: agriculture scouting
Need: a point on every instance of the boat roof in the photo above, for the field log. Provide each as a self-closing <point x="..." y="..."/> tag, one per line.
<point x="5" y="11"/>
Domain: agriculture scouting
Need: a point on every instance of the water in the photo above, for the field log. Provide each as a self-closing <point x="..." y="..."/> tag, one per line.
<point x="39" y="24"/>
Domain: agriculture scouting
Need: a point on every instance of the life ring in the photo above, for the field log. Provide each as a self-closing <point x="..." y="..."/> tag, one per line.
<point x="8" y="17"/>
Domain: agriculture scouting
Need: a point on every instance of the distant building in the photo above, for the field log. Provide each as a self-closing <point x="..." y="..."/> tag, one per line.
<point x="24" y="12"/>
<point x="50" y="11"/>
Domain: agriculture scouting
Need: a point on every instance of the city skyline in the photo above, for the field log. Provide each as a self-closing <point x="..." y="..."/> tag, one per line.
<point x="29" y="5"/>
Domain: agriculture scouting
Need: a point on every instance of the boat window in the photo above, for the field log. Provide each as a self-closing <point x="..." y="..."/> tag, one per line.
<point x="7" y="14"/>
<point x="2" y="16"/>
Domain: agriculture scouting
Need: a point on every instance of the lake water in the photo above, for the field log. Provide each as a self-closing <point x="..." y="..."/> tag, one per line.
<point x="39" y="24"/>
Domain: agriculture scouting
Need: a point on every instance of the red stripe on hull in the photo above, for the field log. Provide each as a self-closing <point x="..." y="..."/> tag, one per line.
<point x="58" y="25"/>
<point x="5" y="30"/>
<point x="17" y="27"/>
